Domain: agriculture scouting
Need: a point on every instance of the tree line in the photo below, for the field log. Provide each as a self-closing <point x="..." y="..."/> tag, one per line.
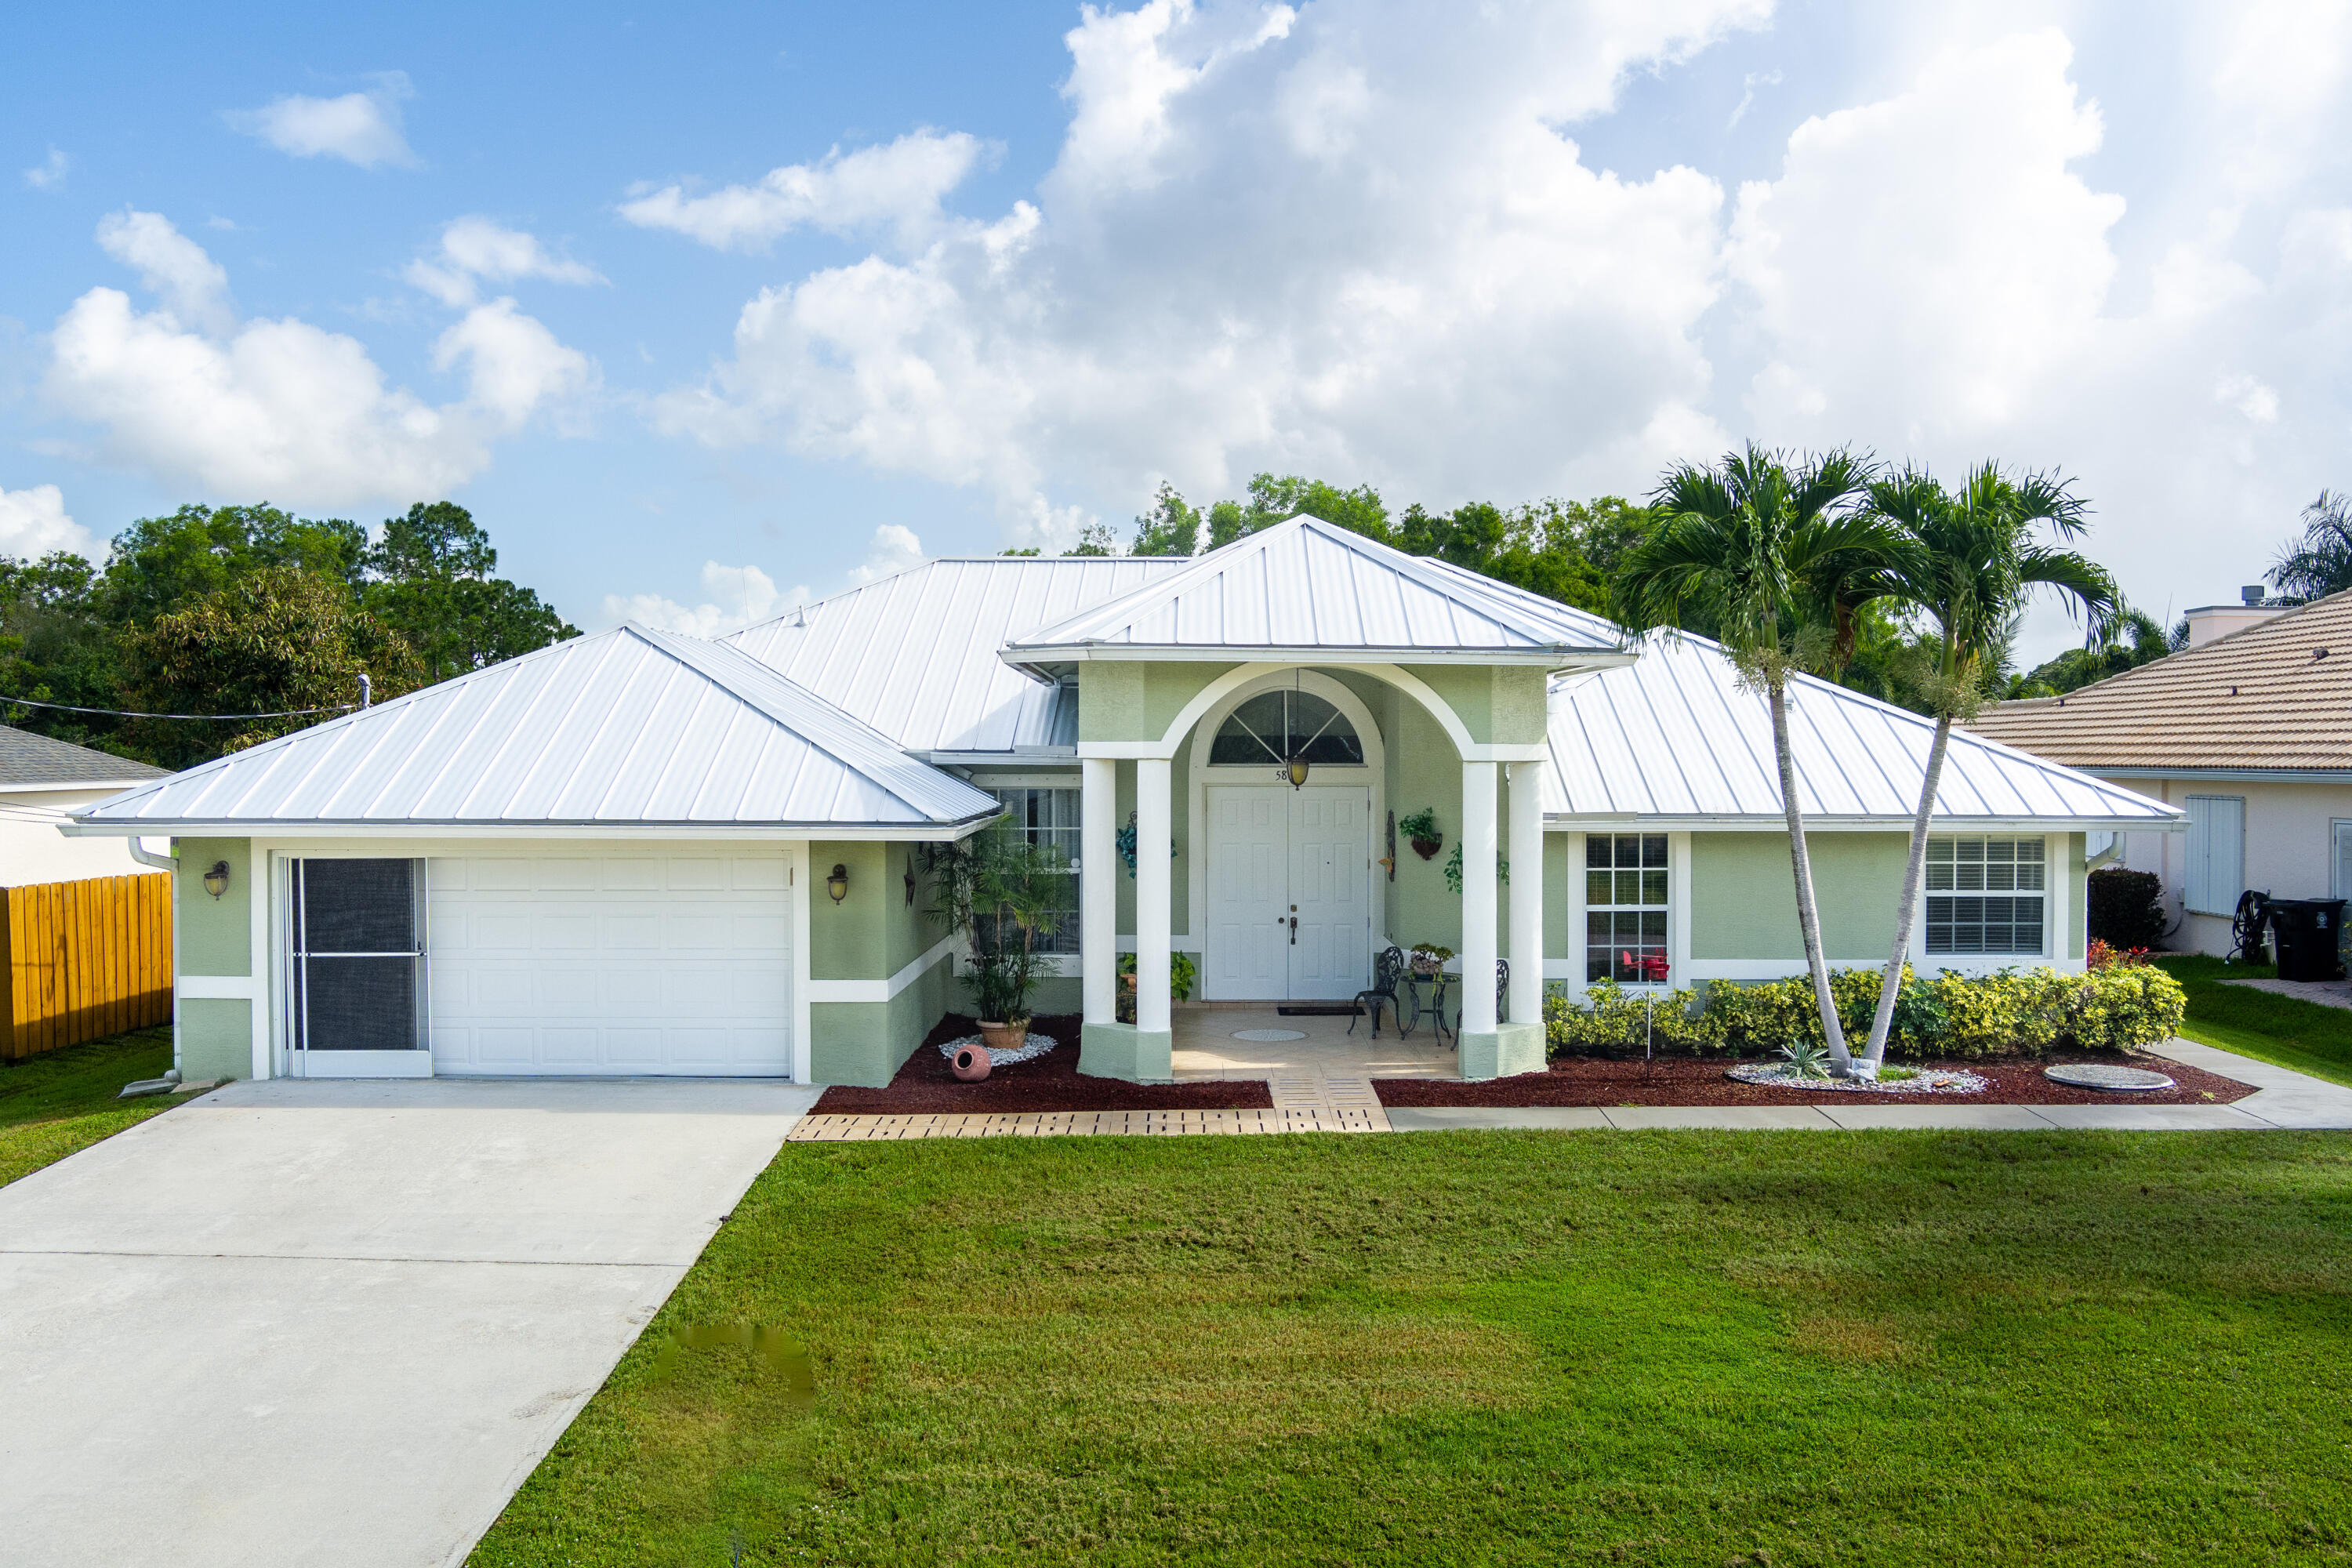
<point x="251" y="610"/>
<point x="1573" y="552"/>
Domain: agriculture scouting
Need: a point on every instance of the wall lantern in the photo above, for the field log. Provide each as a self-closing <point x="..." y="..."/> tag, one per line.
<point x="217" y="878"/>
<point x="838" y="883"/>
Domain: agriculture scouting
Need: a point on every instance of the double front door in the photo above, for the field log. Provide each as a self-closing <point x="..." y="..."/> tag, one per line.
<point x="1289" y="892"/>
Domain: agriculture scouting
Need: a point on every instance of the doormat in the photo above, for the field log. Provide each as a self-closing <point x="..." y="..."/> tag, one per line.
<point x="1319" y="1010"/>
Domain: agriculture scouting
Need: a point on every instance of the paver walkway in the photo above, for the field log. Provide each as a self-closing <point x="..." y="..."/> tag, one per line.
<point x="2327" y="992"/>
<point x="338" y="1323"/>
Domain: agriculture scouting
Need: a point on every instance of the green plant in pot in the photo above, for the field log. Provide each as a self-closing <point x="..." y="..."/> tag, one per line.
<point x="1002" y="893"/>
<point x="1181" y="972"/>
<point x="1421" y="829"/>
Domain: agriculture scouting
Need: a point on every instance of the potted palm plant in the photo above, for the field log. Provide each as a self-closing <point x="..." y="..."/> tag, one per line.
<point x="1002" y="893"/>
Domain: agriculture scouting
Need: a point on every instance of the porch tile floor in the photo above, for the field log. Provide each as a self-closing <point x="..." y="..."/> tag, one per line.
<point x="1327" y="1069"/>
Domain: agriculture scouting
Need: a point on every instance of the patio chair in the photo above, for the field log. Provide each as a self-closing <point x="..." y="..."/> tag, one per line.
<point x="1387" y="969"/>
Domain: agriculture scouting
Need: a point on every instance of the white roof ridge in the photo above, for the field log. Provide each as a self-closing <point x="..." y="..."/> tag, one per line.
<point x="1508" y="607"/>
<point x="850" y="727"/>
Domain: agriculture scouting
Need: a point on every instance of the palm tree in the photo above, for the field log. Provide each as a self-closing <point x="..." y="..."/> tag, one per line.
<point x="1779" y="559"/>
<point x="2319" y="561"/>
<point x="1971" y="563"/>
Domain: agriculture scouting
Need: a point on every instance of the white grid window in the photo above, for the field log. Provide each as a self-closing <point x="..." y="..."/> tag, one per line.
<point x="1985" y="895"/>
<point x="1051" y="816"/>
<point x="1625" y="889"/>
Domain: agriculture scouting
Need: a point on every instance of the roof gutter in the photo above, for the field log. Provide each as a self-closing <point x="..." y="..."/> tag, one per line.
<point x="2251" y="775"/>
<point x="907" y="833"/>
<point x="1570" y="822"/>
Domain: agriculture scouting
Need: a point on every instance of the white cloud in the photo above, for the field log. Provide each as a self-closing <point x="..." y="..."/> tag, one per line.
<point x="282" y="409"/>
<point x="892" y="550"/>
<point x="898" y="187"/>
<point x="194" y="286"/>
<point x="361" y="128"/>
<point x="34" y="522"/>
<point x="49" y="173"/>
<point x="514" y="365"/>
<point x="1317" y="240"/>
<point x="473" y="250"/>
<point x="738" y="596"/>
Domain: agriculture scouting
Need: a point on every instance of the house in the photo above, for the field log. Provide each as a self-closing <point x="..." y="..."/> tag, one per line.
<point x="640" y="852"/>
<point x="2248" y="732"/>
<point x="42" y="783"/>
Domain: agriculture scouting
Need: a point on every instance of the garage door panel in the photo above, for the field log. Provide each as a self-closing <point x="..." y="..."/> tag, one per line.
<point x="668" y="963"/>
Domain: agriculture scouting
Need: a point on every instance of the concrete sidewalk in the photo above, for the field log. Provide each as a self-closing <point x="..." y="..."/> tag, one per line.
<point x="339" y="1324"/>
<point x="2282" y="1097"/>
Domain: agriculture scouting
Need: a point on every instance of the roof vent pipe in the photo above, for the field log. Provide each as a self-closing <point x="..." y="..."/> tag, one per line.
<point x="367" y="689"/>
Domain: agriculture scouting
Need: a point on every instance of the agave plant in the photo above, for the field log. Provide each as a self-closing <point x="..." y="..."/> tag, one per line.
<point x="1807" y="1058"/>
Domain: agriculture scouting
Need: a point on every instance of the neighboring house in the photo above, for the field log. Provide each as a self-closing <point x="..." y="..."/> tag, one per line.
<point x="617" y="855"/>
<point x="42" y="783"/>
<point x="2249" y="733"/>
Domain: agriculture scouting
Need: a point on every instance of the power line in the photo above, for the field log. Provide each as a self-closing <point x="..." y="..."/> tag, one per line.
<point x="126" y="713"/>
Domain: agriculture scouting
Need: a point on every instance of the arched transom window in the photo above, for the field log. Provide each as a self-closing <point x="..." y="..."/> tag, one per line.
<point x="1274" y="726"/>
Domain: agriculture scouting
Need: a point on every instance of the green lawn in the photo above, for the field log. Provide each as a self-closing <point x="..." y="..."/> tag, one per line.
<point x="1494" y="1348"/>
<point x="53" y="1104"/>
<point x="2305" y="1036"/>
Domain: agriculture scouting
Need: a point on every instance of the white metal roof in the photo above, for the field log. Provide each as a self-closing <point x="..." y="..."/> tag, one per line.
<point x="1671" y="737"/>
<point x="628" y="729"/>
<point x="914" y="655"/>
<point x="1307" y="587"/>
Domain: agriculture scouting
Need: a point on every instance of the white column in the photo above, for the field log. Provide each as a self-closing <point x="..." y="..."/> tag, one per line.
<point x="1099" y="888"/>
<point x="1153" y="828"/>
<point x="1478" y="898"/>
<point x="1527" y="858"/>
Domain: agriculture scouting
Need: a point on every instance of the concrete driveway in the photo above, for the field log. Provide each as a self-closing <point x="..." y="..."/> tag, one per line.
<point x="314" y="1322"/>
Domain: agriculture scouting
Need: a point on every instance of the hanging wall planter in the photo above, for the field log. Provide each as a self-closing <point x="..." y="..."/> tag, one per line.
<point x="1421" y="827"/>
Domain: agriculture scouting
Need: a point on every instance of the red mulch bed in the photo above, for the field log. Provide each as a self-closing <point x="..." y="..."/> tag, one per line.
<point x="1050" y="1082"/>
<point x="1687" y="1080"/>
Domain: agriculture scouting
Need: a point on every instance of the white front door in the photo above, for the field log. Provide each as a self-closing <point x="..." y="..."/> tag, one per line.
<point x="1248" y="933"/>
<point x="1289" y="889"/>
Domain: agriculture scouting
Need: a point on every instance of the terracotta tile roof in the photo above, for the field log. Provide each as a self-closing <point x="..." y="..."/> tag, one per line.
<point x="2277" y="695"/>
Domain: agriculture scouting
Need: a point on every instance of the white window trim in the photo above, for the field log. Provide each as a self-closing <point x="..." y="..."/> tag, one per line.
<point x="2057" y="910"/>
<point x="1568" y="972"/>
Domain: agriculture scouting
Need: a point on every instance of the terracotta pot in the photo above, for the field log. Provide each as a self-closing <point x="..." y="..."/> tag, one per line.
<point x="970" y="1063"/>
<point x="1425" y="847"/>
<point x="1009" y="1035"/>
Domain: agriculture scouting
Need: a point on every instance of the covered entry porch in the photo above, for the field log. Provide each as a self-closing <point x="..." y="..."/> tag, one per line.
<point x="1442" y="677"/>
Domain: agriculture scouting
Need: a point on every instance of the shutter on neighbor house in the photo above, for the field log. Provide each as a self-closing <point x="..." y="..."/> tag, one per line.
<point x="2216" y="853"/>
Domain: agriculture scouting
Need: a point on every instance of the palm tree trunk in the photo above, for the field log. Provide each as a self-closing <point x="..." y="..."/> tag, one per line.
<point x="1915" y="871"/>
<point x="1808" y="918"/>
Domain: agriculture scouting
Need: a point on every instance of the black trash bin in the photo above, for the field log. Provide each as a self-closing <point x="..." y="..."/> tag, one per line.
<point x="2306" y="931"/>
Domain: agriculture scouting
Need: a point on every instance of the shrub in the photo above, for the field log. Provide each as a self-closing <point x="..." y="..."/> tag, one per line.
<point x="2030" y="1013"/>
<point x="2124" y="908"/>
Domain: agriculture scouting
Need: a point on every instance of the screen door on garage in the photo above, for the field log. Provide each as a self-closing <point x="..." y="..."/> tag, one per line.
<point x="358" y="968"/>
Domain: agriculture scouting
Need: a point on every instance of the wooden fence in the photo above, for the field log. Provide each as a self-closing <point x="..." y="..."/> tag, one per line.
<point x="84" y="959"/>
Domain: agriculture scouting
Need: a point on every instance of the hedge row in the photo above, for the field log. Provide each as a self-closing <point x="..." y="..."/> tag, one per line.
<point x="2011" y="1013"/>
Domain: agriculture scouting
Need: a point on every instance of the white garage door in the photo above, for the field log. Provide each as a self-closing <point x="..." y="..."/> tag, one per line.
<point x="610" y="964"/>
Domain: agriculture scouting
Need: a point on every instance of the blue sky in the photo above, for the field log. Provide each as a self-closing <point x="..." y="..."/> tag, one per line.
<point x="704" y="309"/>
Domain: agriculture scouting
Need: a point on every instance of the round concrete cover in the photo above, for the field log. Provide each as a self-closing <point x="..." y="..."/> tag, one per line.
<point x="1269" y="1034"/>
<point x="2098" y="1075"/>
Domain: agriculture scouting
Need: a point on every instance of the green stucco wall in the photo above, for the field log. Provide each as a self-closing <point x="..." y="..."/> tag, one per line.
<point x="873" y="932"/>
<point x="215" y="934"/>
<point x="2075" y="896"/>
<point x="216" y="1036"/>
<point x="1744" y="901"/>
<point x="1499" y="705"/>
<point x="1121" y="700"/>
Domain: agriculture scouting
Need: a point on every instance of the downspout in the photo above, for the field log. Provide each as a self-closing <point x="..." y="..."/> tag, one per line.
<point x="170" y="863"/>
